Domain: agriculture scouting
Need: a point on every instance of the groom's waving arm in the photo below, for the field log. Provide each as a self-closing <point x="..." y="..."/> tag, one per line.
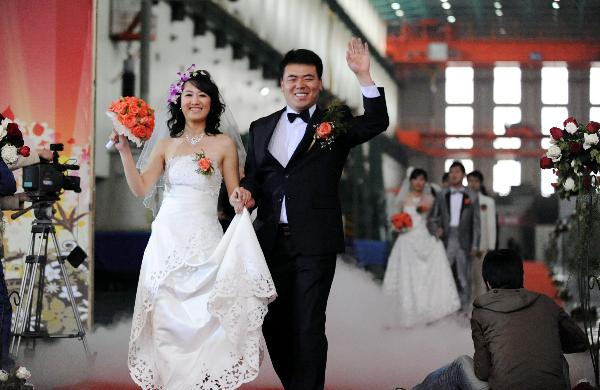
<point x="375" y="119"/>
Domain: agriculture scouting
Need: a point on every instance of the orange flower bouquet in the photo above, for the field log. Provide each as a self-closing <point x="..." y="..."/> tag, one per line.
<point x="133" y="118"/>
<point x="402" y="222"/>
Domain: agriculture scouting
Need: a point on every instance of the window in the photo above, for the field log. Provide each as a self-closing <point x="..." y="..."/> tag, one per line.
<point x="505" y="116"/>
<point x="555" y="85"/>
<point x="507" y="85"/>
<point x="595" y="92"/>
<point x="555" y="97"/>
<point x="459" y="112"/>
<point x="459" y="85"/>
<point x="507" y="173"/>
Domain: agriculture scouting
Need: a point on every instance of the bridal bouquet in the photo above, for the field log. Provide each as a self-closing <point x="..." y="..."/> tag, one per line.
<point x="133" y="118"/>
<point x="11" y="141"/>
<point x="402" y="222"/>
<point x="574" y="156"/>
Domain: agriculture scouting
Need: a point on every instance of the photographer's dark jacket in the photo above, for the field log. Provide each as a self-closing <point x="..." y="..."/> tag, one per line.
<point x="519" y="338"/>
<point x="12" y="202"/>
<point x="309" y="182"/>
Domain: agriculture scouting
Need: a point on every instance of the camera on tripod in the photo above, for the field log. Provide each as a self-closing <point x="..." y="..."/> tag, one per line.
<point x="46" y="180"/>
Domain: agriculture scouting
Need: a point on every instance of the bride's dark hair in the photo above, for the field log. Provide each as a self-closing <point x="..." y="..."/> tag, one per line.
<point x="418" y="172"/>
<point x="202" y="81"/>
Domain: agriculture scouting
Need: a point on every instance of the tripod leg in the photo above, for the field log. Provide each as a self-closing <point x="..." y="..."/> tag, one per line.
<point x="16" y="326"/>
<point x="24" y="281"/>
<point x="71" y="297"/>
<point x="26" y="317"/>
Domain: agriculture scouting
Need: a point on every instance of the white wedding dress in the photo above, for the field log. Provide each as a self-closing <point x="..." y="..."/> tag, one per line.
<point x="418" y="281"/>
<point x="202" y="296"/>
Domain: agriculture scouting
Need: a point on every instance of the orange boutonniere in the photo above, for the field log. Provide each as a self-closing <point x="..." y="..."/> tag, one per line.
<point x="483" y="207"/>
<point x="205" y="165"/>
<point x="467" y="201"/>
<point x="331" y="127"/>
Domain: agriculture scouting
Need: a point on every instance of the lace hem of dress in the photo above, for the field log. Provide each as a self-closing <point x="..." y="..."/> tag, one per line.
<point x="239" y="302"/>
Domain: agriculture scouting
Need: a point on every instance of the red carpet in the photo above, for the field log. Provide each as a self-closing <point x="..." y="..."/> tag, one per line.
<point x="537" y="278"/>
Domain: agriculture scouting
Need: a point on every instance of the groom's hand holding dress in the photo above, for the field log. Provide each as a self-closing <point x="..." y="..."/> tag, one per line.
<point x="294" y="180"/>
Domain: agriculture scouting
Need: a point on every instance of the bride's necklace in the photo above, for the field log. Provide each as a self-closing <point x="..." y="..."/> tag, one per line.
<point x="194" y="140"/>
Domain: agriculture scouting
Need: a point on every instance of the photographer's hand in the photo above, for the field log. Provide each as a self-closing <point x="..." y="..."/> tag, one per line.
<point x="45" y="154"/>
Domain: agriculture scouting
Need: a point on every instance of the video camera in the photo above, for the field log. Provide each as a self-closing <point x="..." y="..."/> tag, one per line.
<point x="46" y="180"/>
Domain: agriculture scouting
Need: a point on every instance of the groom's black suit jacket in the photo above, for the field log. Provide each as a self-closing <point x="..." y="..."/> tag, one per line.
<point x="309" y="181"/>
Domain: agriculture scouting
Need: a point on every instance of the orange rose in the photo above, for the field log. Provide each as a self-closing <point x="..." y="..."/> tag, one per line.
<point x="144" y="111"/>
<point x="134" y="108"/>
<point x="324" y="130"/>
<point x="204" y="164"/>
<point x="129" y="121"/>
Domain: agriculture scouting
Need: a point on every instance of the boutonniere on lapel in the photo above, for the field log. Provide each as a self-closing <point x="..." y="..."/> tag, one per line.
<point x="205" y="165"/>
<point x="483" y="207"/>
<point x="466" y="200"/>
<point x="330" y="128"/>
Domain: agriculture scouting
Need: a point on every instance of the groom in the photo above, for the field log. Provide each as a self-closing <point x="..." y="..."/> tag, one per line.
<point x="294" y="179"/>
<point x="458" y="210"/>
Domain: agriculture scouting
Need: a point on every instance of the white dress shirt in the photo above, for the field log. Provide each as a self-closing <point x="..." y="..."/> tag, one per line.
<point x="456" y="200"/>
<point x="287" y="136"/>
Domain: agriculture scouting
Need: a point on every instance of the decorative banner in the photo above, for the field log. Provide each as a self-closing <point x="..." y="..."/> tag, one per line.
<point x="46" y="74"/>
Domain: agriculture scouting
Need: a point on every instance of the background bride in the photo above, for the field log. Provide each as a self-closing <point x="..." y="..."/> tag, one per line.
<point x="418" y="278"/>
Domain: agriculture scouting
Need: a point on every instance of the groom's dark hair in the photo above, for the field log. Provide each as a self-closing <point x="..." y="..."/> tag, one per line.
<point x="457" y="163"/>
<point x="503" y="268"/>
<point x="301" y="56"/>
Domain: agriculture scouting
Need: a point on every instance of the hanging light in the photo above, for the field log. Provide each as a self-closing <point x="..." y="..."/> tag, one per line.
<point x="451" y="19"/>
<point x="395" y="6"/>
<point x="446" y="5"/>
<point x="399" y="13"/>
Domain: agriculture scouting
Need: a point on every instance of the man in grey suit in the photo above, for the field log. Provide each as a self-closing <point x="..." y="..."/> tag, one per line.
<point x="457" y="210"/>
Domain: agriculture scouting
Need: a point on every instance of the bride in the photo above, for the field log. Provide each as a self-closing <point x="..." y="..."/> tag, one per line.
<point x="202" y="296"/>
<point x="418" y="278"/>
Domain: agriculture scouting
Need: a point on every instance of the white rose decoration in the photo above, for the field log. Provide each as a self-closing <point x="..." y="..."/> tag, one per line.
<point x="589" y="140"/>
<point x="9" y="154"/>
<point x="569" y="184"/>
<point x="3" y="376"/>
<point x="23" y="373"/>
<point x="554" y="153"/>
<point x="571" y="128"/>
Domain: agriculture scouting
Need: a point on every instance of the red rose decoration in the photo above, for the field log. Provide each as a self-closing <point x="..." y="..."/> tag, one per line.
<point x="24" y="151"/>
<point x="556" y="133"/>
<point x="204" y="164"/>
<point x="546" y="163"/>
<point x="324" y="130"/>
<point x="575" y="147"/>
<point x="592" y="127"/>
<point x="12" y="130"/>
<point x="586" y="180"/>
<point x="572" y="120"/>
<point x="467" y="201"/>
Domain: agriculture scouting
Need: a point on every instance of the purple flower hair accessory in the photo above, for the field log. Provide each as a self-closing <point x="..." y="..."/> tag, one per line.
<point x="176" y="88"/>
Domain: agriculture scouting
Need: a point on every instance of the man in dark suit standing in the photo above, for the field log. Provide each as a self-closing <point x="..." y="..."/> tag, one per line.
<point x="458" y="212"/>
<point x="293" y="173"/>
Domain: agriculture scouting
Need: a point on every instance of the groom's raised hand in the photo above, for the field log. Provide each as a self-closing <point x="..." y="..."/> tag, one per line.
<point x="359" y="61"/>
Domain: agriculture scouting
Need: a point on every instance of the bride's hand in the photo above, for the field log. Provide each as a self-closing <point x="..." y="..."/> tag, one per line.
<point x="120" y="141"/>
<point x="238" y="199"/>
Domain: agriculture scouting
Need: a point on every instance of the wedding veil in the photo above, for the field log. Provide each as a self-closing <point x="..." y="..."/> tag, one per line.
<point x="405" y="189"/>
<point x="228" y="126"/>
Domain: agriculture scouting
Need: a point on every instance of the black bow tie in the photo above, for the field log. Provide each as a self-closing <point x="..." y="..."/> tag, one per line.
<point x="457" y="190"/>
<point x="304" y="115"/>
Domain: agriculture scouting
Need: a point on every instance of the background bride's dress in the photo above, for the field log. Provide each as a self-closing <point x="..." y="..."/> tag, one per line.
<point x="201" y="296"/>
<point x="418" y="280"/>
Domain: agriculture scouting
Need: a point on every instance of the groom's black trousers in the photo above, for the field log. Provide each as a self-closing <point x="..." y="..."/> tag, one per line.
<point x="294" y="327"/>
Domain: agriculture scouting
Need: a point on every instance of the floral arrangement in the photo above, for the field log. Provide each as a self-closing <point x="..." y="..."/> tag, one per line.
<point x="133" y="118"/>
<point x="574" y="156"/>
<point x="11" y="141"/>
<point x="205" y="165"/>
<point x="177" y="87"/>
<point x="331" y="127"/>
<point x="402" y="222"/>
<point x="16" y="379"/>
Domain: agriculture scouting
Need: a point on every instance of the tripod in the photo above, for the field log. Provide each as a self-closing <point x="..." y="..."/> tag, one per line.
<point x="35" y="267"/>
